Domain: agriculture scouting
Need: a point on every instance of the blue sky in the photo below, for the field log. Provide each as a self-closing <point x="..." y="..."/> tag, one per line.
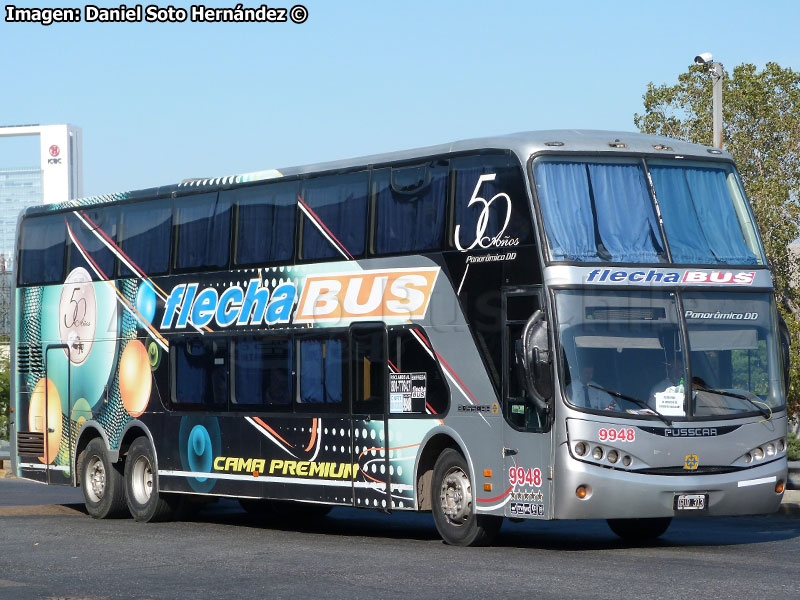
<point x="162" y="102"/>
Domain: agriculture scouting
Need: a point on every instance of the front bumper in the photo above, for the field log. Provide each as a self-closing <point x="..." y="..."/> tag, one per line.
<point x="616" y="494"/>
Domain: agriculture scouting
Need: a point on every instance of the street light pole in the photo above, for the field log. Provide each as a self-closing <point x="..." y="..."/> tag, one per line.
<point x="717" y="71"/>
<point x="716" y="101"/>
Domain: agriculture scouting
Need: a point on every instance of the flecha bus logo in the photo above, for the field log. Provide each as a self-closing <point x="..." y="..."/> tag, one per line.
<point x="366" y="295"/>
<point x="740" y="278"/>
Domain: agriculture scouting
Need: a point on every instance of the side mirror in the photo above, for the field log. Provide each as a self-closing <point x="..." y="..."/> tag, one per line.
<point x="786" y="342"/>
<point x="533" y="353"/>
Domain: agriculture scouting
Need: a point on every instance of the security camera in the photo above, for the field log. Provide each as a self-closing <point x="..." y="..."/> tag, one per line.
<point x="704" y="58"/>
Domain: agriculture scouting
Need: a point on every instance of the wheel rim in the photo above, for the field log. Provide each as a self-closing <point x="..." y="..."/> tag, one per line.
<point x="142" y="480"/>
<point x="456" y="496"/>
<point x="95" y="479"/>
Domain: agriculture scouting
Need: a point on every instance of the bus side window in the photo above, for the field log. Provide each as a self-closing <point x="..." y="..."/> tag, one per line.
<point x="202" y="230"/>
<point x="368" y="360"/>
<point x="200" y="367"/>
<point x="409" y="204"/>
<point x="87" y="231"/>
<point x="145" y="235"/>
<point x="333" y="224"/>
<point x="265" y="222"/>
<point x="42" y="250"/>
<point x="503" y="219"/>
<point x="412" y="353"/>
<point x="321" y="377"/>
<point x="262" y="373"/>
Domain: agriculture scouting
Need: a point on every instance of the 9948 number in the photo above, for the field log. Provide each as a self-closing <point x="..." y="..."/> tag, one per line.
<point x="520" y="476"/>
<point x="625" y="434"/>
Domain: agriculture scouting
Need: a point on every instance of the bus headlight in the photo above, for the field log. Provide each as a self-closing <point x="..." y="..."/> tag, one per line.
<point x="581" y="449"/>
<point x="597" y="453"/>
<point x="613" y="456"/>
<point x="758" y="453"/>
<point x="770" y="449"/>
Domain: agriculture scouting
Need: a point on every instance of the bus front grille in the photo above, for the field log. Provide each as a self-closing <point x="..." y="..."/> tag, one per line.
<point x="708" y="470"/>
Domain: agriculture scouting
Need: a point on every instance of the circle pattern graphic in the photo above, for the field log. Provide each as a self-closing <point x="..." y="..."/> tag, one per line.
<point x="135" y="378"/>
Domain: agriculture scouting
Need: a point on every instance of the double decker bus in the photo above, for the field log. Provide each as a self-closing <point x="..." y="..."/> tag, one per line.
<point x="545" y="325"/>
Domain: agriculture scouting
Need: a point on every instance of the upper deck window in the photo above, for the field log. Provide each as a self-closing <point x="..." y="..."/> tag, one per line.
<point x="42" y="250"/>
<point x="265" y="224"/>
<point x="202" y="228"/>
<point x="602" y="210"/>
<point x="333" y="224"/>
<point x="409" y="208"/>
<point x="598" y="211"/>
<point x="705" y="215"/>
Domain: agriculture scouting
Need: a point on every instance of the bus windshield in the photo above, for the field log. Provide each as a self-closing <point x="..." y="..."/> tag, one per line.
<point x="604" y="210"/>
<point x="625" y="353"/>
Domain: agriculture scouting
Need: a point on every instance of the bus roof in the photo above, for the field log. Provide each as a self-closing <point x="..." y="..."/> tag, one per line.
<point x="523" y="144"/>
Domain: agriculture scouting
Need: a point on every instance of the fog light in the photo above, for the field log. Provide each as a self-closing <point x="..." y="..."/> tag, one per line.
<point x="626" y="460"/>
<point x="780" y="486"/>
<point x="770" y="449"/>
<point x="597" y="453"/>
<point x="581" y="449"/>
<point x="581" y="492"/>
<point x="748" y="458"/>
<point x="613" y="456"/>
<point x="758" y="453"/>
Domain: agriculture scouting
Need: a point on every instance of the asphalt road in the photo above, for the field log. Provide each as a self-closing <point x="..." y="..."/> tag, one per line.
<point x="49" y="548"/>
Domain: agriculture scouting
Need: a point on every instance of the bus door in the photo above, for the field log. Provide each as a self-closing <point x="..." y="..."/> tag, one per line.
<point x="57" y="367"/>
<point x="369" y="407"/>
<point x="526" y="448"/>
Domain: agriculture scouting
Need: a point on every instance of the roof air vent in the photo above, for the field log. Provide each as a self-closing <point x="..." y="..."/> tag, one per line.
<point x="663" y="147"/>
<point x="617" y="144"/>
<point x="714" y="151"/>
<point x="554" y="143"/>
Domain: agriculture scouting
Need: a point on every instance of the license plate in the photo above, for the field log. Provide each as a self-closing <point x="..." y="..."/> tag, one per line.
<point x="691" y="501"/>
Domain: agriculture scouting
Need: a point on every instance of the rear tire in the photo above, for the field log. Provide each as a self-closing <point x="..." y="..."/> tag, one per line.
<point x="639" y="530"/>
<point x="101" y="482"/>
<point x="144" y="500"/>
<point x="453" y="504"/>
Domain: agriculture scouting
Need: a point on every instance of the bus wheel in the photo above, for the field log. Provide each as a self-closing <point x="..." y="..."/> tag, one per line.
<point x="102" y="482"/>
<point x="639" y="530"/>
<point x="141" y="485"/>
<point x="453" y="500"/>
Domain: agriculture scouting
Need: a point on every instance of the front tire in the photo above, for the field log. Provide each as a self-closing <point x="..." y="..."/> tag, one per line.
<point x="101" y="482"/>
<point x="639" y="530"/>
<point x="144" y="500"/>
<point x="453" y="504"/>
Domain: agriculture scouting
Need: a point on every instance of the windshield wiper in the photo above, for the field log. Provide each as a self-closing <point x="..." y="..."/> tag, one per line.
<point x="634" y="400"/>
<point x="763" y="410"/>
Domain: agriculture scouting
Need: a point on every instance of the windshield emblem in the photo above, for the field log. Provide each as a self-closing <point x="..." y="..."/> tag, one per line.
<point x="691" y="463"/>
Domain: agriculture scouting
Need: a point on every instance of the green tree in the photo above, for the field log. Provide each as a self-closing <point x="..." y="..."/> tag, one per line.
<point x="761" y="130"/>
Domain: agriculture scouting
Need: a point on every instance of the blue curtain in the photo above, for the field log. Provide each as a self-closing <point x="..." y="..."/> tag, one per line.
<point x="563" y="190"/>
<point x="333" y="371"/>
<point x="340" y="203"/>
<point x="203" y="231"/>
<point x="266" y="216"/>
<point x="311" y="374"/>
<point x="625" y="217"/>
<point x="249" y="372"/>
<point x="145" y="236"/>
<point x="410" y="221"/>
<point x="191" y="371"/>
<point x="699" y="217"/>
